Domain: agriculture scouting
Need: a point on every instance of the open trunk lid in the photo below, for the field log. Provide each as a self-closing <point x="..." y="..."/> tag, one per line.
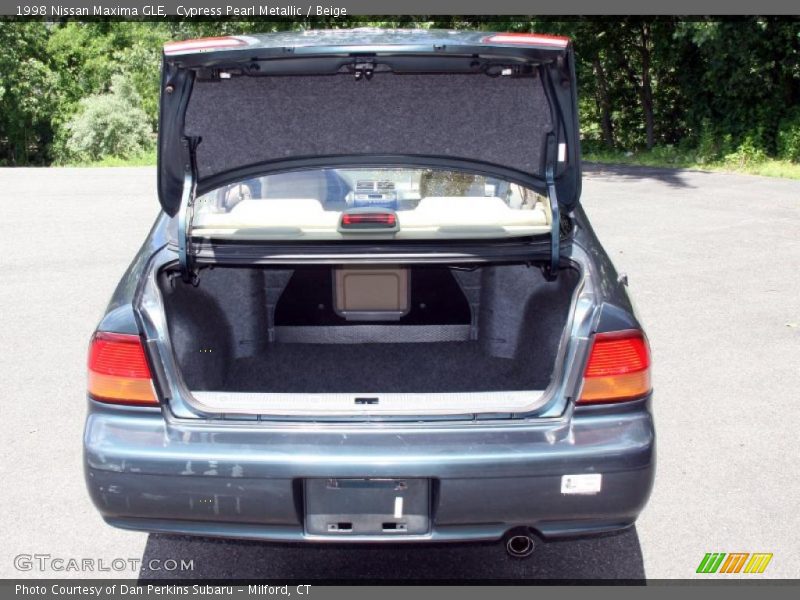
<point x="503" y="104"/>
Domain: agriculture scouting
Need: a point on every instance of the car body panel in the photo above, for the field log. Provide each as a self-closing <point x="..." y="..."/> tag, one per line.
<point x="502" y="475"/>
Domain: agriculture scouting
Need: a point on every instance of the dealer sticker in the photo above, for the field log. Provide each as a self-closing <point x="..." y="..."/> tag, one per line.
<point x="587" y="483"/>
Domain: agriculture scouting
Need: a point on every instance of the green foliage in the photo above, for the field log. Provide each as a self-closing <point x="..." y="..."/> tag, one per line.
<point x="722" y="91"/>
<point x="140" y="62"/>
<point x="747" y="154"/>
<point x="789" y="136"/>
<point x="739" y="79"/>
<point x="675" y="158"/>
<point x="27" y="95"/>
<point x="109" y="125"/>
<point x="145" y="159"/>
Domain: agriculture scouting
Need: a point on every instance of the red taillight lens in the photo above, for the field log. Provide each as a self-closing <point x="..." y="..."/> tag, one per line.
<point x="374" y="219"/>
<point x="118" y="370"/>
<point x="618" y="368"/>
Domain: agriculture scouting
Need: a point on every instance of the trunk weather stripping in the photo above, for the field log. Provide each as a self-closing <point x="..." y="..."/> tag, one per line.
<point x="551" y="270"/>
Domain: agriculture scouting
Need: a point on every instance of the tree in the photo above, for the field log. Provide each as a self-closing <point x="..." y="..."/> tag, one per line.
<point x="27" y="93"/>
<point x="714" y="87"/>
<point x="110" y="124"/>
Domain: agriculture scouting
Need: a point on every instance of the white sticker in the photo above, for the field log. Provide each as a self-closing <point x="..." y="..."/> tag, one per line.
<point x="562" y="152"/>
<point x="588" y="483"/>
<point x="398" y="507"/>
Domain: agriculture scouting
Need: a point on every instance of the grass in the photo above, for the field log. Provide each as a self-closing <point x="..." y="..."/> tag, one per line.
<point x="668" y="158"/>
<point x="147" y="159"/>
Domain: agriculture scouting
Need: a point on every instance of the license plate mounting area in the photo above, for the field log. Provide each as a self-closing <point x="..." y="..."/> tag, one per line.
<point x="384" y="507"/>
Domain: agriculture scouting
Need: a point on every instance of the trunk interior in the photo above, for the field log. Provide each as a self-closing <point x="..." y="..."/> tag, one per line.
<point x="377" y="330"/>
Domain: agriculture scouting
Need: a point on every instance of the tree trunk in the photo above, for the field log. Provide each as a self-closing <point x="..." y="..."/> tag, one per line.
<point x="604" y="103"/>
<point x="642" y="82"/>
<point x="646" y="89"/>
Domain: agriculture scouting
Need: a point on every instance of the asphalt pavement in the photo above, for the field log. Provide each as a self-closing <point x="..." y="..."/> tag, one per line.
<point x="713" y="261"/>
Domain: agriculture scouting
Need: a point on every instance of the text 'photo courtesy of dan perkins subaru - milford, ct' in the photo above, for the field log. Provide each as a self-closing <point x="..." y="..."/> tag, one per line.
<point x="150" y="590"/>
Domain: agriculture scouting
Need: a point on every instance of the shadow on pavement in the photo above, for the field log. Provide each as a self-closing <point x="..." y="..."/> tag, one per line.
<point x="671" y="177"/>
<point x="617" y="556"/>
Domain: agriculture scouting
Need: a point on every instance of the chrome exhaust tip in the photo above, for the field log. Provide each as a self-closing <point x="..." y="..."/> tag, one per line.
<point x="520" y="546"/>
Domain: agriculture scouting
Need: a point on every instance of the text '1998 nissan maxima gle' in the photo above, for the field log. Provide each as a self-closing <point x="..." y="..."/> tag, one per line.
<point x="372" y="308"/>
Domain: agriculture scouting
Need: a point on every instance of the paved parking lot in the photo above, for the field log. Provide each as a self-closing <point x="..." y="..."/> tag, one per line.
<point x="713" y="261"/>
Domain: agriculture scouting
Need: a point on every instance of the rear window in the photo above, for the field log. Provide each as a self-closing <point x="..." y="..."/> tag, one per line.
<point x="425" y="203"/>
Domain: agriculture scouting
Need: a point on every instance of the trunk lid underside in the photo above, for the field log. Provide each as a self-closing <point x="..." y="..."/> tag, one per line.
<point x="268" y="102"/>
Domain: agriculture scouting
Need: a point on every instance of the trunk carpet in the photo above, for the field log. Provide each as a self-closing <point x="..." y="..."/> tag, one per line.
<point x="381" y="368"/>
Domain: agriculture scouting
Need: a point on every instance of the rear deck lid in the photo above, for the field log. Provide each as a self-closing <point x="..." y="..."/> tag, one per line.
<point x="241" y="106"/>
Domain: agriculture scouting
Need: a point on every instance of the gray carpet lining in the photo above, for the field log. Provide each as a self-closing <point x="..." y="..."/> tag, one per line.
<point x="223" y="336"/>
<point x="409" y="368"/>
<point x="247" y="120"/>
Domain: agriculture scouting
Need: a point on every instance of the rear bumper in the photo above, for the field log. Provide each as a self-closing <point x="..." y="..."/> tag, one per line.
<point x="148" y="474"/>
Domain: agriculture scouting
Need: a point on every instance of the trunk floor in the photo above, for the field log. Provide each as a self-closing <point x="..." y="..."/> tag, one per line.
<point x="383" y="368"/>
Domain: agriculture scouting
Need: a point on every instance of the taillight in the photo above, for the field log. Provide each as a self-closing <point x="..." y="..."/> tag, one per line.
<point x="118" y="370"/>
<point x="618" y="368"/>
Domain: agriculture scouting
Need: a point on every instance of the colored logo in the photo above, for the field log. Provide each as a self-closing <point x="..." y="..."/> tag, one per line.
<point x="735" y="562"/>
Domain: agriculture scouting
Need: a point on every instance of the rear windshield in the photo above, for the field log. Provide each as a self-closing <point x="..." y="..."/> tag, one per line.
<point x="399" y="203"/>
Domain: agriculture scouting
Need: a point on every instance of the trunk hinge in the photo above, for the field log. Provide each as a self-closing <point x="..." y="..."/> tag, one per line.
<point x="551" y="269"/>
<point x="186" y="213"/>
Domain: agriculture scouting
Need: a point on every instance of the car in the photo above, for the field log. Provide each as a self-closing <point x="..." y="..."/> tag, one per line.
<point x="461" y="363"/>
<point x="370" y="192"/>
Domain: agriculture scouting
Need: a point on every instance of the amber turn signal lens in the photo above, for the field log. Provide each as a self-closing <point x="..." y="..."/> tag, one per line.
<point x="618" y="368"/>
<point x="118" y="370"/>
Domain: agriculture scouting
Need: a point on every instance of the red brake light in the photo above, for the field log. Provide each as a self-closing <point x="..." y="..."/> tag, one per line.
<point x="206" y="44"/>
<point x="118" y="370"/>
<point x="527" y="39"/>
<point x="618" y="368"/>
<point x="375" y="219"/>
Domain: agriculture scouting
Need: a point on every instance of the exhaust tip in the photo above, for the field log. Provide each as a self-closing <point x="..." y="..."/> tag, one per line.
<point x="520" y="546"/>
